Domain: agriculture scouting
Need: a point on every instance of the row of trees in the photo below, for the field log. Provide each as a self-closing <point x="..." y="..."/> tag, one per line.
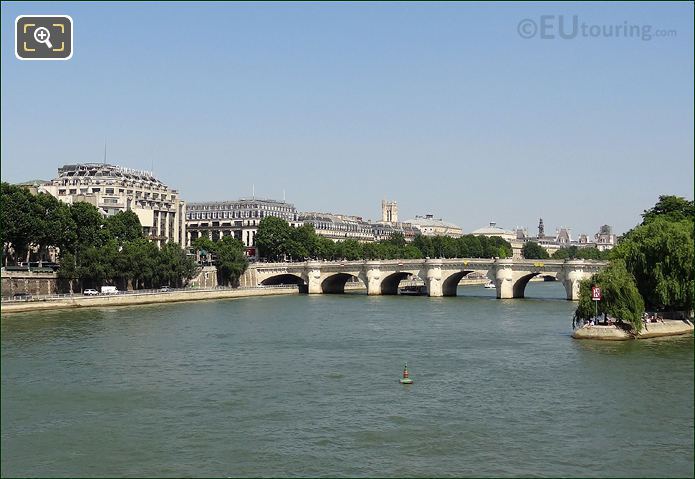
<point x="651" y="267"/>
<point x="135" y="264"/>
<point x="278" y="241"/>
<point x="532" y="250"/>
<point x="93" y="250"/>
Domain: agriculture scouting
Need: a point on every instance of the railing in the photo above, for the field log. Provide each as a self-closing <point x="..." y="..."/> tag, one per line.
<point x="140" y="292"/>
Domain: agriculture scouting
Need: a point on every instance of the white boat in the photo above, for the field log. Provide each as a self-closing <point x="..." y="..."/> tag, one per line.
<point x="489" y="285"/>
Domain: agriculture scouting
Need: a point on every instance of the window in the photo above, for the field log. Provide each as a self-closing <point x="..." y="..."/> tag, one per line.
<point x="109" y="191"/>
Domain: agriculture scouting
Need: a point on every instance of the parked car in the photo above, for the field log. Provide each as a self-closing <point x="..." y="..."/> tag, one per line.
<point x="90" y="292"/>
<point x="165" y="289"/>
<point x="25" y="296"/>
<point x="109" y="290"/>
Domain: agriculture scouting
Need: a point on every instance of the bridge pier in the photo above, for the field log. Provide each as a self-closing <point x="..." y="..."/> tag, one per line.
<point x="434" y="278"/>
<point x="374" y="277"/>
<point x="572" y="273"/>
<point x="313" y="273"/>
<point x="504" y="278"/>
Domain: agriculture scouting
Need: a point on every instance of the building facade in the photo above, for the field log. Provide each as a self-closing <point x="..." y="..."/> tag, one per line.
<point x="113" y="188"/>
<point x="428" y="225"/>
<point x="338" y="227"/>
<point x="605" y="239"/>
<point x="238" y="218"/>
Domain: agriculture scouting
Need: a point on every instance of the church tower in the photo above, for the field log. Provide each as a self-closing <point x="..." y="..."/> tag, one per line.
<point x="389" y="211"/>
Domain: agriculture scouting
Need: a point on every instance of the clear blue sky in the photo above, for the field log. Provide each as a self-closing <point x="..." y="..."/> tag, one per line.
<point x="442" y="107"/>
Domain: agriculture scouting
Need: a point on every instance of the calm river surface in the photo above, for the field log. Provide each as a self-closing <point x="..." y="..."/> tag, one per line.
<point x="308" y="386"/>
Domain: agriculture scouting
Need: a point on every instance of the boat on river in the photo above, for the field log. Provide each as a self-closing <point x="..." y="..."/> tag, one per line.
<point x="413" y="290"/>
<point x="489" y="285"/>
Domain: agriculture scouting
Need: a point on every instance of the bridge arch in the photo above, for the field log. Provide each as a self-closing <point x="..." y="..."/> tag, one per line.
<point x="389" y="285"/>
<point x="335" y="283"/>
<point x="286" y="278"/>
<point x="450" y="284"/>
<point x="519" y="287"/>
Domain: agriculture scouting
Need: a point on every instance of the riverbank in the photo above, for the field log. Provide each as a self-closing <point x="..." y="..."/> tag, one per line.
<point x="651" y="330"/>
<point x="143" y="298"/>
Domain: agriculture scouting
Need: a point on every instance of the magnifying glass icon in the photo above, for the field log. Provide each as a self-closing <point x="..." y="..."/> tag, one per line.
<point x="42" y="35"/>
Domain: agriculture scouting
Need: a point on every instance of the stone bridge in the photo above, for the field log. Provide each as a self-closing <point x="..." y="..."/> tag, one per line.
<point x="440" y="276"/>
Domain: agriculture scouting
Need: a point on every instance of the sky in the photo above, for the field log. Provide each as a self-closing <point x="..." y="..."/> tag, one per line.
<point x="443" y="107"/>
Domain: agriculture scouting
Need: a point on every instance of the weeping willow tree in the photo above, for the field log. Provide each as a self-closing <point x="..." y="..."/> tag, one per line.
<point x="660" y="255"/>
<point x="621" y="299"/>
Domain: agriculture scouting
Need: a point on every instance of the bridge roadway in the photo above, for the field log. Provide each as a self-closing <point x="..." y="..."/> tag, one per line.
<point x="441" y="276"/>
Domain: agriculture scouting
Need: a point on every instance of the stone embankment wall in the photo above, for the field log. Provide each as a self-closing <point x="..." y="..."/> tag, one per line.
<point x="652" y="330"/>
<point x="27" y="282"/>
<point x="145" y="298"/>
<point x="38" y="284"/>
<point x="207" y="278"/>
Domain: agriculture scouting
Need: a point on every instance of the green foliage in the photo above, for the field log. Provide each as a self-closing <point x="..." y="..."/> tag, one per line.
<point x="621" y="299"/>
<point x="277" y="241"/>
<point x="88" y="224"/>
<point x="205" y="248"/>
<point x="123" y="226"/>
<point x="660" y="255"/>
<point x="227" y="254"/>
<point x="20" y="224"/>
<point x="231" y="260"/>
<point x="671" y="208"/>
<point x="273" y="238"/>
<point x="532" y="250"/>
<point x="93" y="250"/>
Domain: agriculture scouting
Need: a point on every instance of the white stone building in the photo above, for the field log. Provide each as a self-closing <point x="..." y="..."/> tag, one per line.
<point x="428" y="225"/>
<point x="237" y="218"/>
<point x="113" y="188"/>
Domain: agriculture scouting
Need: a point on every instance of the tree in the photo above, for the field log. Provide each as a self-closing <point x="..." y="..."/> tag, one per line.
<point x="409" y="251"/>
<point x="273" y="237"/>
<point x="444" y="247"/>
<point x="621" y="299"/>
<point x="19" y="220"/>
<point x="372" y="251"/>
<point x="470" y="246"/>
<point x="88" y="224"/>
<point x="324" y="248"/>
<point x="660" y="254"/>
<point x="305" y="242"/>
<point x="532" y="250"/>
<point x="67" y="270"/>
<point x="177" y="268"/>
<point x="123" y="226"/>
<point x="351" y="249"/>
<point x="231" y="261"/>
<point x="54" y="224"/>
<point x="672" y="208"/>
<point x="396" y="239"/>
<point x="205" y="248"/>
<point x="424" y="244"/>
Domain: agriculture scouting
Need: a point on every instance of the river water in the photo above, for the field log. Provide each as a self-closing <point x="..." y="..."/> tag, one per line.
<point x="308" y="386"/>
